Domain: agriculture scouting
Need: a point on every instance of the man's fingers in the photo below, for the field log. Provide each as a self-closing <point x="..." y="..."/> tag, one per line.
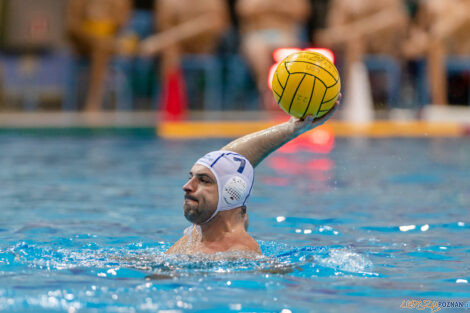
<point x="309" y="122"/>
<point x="309" y="118"/>
<point x="331" y="112"/>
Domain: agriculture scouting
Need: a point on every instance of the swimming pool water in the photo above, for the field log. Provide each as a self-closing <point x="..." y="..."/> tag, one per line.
<point x="84" y="221"/>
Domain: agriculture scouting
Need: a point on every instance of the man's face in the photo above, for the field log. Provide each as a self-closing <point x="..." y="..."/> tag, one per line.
<point x="201" y="195"/>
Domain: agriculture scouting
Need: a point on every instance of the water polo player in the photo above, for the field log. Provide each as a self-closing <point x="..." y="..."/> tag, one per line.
<point x="220" y="184"/>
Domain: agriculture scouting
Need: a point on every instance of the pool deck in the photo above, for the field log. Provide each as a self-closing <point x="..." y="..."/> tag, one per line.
<point x="435" y="121"/>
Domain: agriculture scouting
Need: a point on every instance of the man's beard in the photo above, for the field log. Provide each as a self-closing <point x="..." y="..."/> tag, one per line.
<point x="193" y="213"/>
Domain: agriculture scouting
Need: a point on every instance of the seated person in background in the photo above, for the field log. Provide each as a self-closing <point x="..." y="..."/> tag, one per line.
<point x="219" y="185"/>
<point x="92" y="27"/>
<point x="441" y="28"/>
<point x="360" y="27"/>
<point x="184" y="27"/>
<point x="266" y="25"/>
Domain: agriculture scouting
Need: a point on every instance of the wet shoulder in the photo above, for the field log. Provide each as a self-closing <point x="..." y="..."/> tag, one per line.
<point x="245" y="242"/>
<point x="180" y="246"/>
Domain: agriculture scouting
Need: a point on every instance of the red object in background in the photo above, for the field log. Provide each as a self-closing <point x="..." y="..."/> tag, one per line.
<point x="286" y="165"/>
<point x="321" y="165"/>
<point x="320" y="140"/>
<point x="281" y="53"/>
<point x="174" y="99"/>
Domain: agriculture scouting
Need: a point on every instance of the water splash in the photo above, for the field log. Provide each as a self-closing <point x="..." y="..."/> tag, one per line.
<point x="277" y="258"/>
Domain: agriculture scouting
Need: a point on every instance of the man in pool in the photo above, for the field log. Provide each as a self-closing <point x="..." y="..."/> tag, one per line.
<point x="219" y="185"/>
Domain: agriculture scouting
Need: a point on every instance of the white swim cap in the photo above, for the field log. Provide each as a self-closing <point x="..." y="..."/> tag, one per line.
<point x="234" y="175"/>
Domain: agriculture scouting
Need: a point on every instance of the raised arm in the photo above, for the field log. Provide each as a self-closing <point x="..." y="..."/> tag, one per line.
<point x="257" y="146"/>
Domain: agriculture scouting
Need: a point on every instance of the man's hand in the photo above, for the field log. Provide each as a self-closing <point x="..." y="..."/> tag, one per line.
<point x="303" y="125"/>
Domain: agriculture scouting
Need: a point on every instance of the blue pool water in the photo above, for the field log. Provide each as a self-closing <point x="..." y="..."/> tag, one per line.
<point x="375" y="222"/>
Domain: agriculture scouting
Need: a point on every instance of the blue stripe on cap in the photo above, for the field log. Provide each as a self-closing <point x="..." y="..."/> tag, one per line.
<point x="217" y="159"/>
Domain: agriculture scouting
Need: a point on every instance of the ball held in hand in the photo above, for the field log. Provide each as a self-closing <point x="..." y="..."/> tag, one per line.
<point x="306" y="83"/>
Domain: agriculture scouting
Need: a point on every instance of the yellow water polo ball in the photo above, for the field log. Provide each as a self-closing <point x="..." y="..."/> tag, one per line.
<point x="306" y="83"/>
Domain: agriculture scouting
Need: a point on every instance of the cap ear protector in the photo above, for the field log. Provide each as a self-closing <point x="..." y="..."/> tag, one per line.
<point x="234" y="175"/>
<point x="234" y="190"/>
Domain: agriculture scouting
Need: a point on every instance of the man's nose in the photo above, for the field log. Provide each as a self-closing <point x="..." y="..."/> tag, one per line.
<point x="189" y="186"/>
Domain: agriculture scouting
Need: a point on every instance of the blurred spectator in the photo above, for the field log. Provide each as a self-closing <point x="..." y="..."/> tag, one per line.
<point x="266" y="25"/>
<point x="184" y="27"/>
<point x="141" y="22"/>
<point x="92" y="27"/>
<point x="360" y="27"/>
<point x="317" y="19"/>
<point x="440" y="29"/>
<point x="140" y="72"/>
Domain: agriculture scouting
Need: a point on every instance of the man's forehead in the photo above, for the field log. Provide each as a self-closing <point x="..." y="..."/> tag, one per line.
<point x="201" y="169"/>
